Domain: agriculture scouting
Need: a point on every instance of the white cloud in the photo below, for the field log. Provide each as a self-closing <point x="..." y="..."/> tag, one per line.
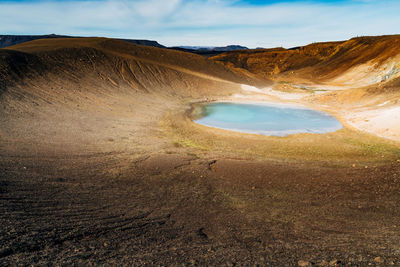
<point x="196" y="22"/>
<point x="155" y="9"/>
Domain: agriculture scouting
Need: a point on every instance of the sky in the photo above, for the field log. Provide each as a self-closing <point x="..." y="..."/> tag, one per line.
<point x="252" y="23"/>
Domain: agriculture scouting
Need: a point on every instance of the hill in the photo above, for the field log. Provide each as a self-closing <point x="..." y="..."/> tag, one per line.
<point x="359" y="61"/>
<point x="9" y="40"/>
<point x="112" y="58"/>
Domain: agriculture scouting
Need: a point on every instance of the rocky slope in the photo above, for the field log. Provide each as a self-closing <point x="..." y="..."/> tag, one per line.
<point x="358" y="62"/>
<point x="108" y="62"/>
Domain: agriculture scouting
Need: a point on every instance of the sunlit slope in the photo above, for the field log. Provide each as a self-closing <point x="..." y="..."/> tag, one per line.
<point x="359" y="61"/>
<point x="44" y="70"/>
<point x="78" y="94"/>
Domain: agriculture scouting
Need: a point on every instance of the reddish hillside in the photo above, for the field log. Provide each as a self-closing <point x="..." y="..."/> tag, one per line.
<point x="320" y="61"/>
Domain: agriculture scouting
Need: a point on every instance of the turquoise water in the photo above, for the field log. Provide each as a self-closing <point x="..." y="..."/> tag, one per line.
<point x="267" y="119"/>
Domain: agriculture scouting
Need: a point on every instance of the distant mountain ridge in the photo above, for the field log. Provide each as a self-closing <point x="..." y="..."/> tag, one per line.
<point x="207" y="51"/>
<point x="215" y="48"/>
<point x="9" y="40"/>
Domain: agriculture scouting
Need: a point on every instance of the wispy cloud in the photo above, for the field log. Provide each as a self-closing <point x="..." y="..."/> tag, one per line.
<point x="205" y="22"/>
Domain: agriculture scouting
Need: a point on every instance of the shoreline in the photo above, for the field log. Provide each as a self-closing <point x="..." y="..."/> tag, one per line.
<point x="378" y="127"/>
<point x="277" y="133"/>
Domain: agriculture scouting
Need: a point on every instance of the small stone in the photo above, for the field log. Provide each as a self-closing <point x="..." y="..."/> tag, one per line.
<point x="253" y="188"/>
<point x="302" y="263"/>
<point x="333" y="262"/>
<point x="323" y="263"/>
<point x="105" y="244"/>
<point x="354" y="165"/>
<point x="378" y="260"/>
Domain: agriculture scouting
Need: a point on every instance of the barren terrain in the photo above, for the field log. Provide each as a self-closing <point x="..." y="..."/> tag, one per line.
<point x="100" y="162"/>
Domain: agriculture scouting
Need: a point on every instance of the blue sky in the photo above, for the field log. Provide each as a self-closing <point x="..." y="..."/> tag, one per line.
<point x="252" y="23"/>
